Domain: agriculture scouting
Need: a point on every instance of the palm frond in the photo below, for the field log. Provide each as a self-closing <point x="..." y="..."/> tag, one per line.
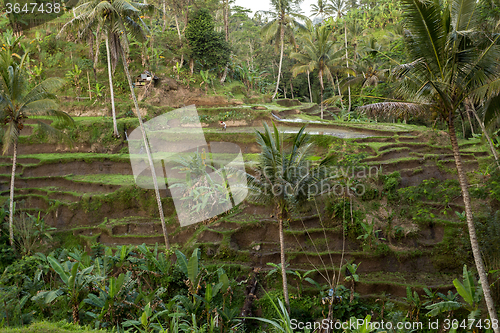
<point x="491" y="109"/>
<point x="10" y="136"/>
<point x="394" y="108"/>
<point x="44" y="89"/>
<point x="40" y="107"/>
<point x="462" y="14"/>
<point x="427" y="38"/>
<point x="46" y="129"/>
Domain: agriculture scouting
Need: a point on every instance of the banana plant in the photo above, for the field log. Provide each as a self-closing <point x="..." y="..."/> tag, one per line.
<point x="121" y="255"/>
<point x="177" y="69"/>
<point x="351" y="275"/>
<point x="448" y="304"/>
<point x="470" y="291"/>
<point x="303" y="277"/>
<point x="212" y="290"/>
<point x="191" y="269"/>
<point x="81" y="257"/>
<point x="99" y="91"/>
<point x="414" y="302"/>
<point x="155" y="262"/>
<point x="75" y="285"/>
<point x="74" y="76"/>
<point x="277" y="269"/>
<point x="364" y="328"/>
<point x="147" y="321"/>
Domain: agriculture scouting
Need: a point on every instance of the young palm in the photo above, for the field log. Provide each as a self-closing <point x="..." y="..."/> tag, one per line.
<point x="319" y="54"/>
<point x="283" y="21"/>
<point x="452" y="62"/>
<point x="17" y="103"/>
<point x="286" y="179"/>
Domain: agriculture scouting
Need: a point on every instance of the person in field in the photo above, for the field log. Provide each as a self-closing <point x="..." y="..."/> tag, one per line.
<point x="223" y="125"/>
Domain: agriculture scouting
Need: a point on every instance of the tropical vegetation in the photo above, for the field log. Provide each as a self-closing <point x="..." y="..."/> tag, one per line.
<point x="316" y="97"/>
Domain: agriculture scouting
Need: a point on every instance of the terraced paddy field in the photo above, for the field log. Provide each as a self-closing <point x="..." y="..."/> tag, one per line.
<point x="410" y="195"/>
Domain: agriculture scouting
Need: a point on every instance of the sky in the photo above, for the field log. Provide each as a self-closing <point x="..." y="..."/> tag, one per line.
<point x="256" y="5"/>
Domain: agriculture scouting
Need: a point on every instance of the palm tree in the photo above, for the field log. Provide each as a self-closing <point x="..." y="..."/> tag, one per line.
<point x="104" y="16"/>
<point x="340" y="7"/>
<point x="321" y="9"/>
<point x="319" y="54"/>
<point x="17" y="103"/>
<point x="283" y="21"/>
<point x="286" y="179"/>
<point x="452" y="61"/>
<point x="121" y="17"/>
<point x="368" y="73"/>
<point x="132" y="14"/>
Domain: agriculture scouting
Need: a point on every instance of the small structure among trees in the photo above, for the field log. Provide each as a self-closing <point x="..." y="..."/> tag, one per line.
<point x="145" y="79"/>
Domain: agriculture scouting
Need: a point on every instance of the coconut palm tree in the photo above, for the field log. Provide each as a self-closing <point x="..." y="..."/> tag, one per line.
<point x="368" y="73"/>
<point x="132" y="15"/>
<point x="452" y="61"/>
<point x="286" y="179"/>
<point x="104" y="16"/>
<point x="319" y="54"/>
<point x="17" y="103"/>
<point x="284" y="17"/>
<point x="340" y="7"/>
<point x="120" y="18"/>
<point x="322" y="8"/>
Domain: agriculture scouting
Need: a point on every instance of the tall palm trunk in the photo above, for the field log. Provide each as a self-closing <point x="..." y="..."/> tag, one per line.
<point x="148" y="151"/>
<point x="282" y="37"/>
<point x="177" y="27"/>
<point x="321" y="102"/>
<point x="164" y="16"/>
<point x="180" y="41"/>
<point x="11" y="203"/>
<point x="470" y="123"/>
<point x="470" y="224"/>
<point x="224" y="75"/>
<point x="309" y="84"/>
<point x="226" y="19"/>
<point x="340" y="93"/>
<point x="282" y="253"/>
<point x="322" y="87"/>
<point x="110" y="76"/>
<point x="347" y="63"/>
<point x="96" y="56"/>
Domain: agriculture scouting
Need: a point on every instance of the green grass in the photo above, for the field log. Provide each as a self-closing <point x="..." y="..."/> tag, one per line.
<point x="69" y="157"/>
<point x="394" y="160"/>
<point x="107" y="179"/>
<point x="408" y="279"/>
<point x="48" y="327"/>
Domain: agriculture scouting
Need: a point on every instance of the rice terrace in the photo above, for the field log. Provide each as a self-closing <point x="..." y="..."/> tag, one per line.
<point x="226" y="166"/>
